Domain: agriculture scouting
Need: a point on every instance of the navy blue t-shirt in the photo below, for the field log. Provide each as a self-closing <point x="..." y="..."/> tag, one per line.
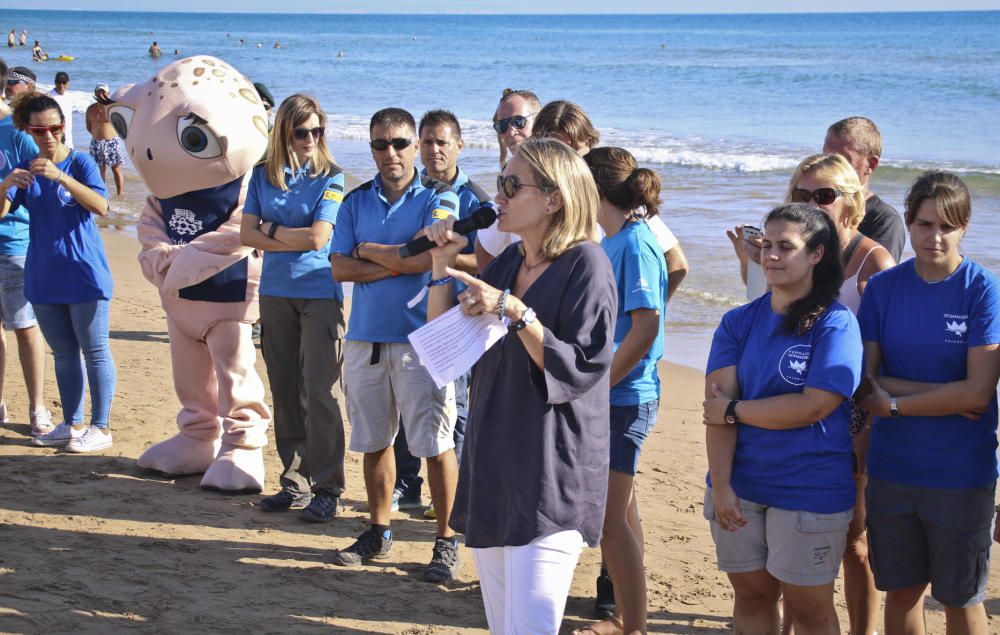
<point x="65" y="262"/>
<point x="925" y="331"/>
<point x="807" y="468"/>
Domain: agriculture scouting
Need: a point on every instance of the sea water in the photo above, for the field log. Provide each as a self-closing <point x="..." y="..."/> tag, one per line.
<point x="722" y="106"/>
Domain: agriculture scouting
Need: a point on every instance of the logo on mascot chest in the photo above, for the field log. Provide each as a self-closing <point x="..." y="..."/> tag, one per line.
<point x="65" y="197"/>
<point x="185" y="223"/>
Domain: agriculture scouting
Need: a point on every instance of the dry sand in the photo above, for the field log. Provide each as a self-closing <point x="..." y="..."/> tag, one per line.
<point x="90" y="544"/>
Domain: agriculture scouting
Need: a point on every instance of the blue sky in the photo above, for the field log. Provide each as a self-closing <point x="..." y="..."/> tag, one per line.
<point x="520" y="6"/>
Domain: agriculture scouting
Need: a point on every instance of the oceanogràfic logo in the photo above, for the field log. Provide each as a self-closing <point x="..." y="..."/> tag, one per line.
<point x="794" y="364"/>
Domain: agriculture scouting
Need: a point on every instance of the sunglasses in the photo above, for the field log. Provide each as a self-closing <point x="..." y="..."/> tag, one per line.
<point x="518" y="121"/>
<point x="381" y="145"/>
<point x="301" y="134"/>
<point x="822" y="196"/>
<point x="15" y="82"/>
<point x="509" y="185"/>
<point x="39" y="131"/>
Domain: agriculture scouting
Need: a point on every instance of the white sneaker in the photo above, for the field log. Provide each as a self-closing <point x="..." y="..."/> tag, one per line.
<point x="91" y="440"/>
<point x="61" y="435"/>
<point x="41" y="422"/>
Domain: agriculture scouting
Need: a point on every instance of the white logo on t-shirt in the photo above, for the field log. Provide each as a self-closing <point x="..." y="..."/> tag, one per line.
<point x="183" y="221"/>
<point x="64" y="196"/>
<point x="794" y="364"/>
<point x="957" y="326"/>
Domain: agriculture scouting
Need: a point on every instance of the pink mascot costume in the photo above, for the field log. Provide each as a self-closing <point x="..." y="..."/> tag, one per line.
<point x="194" y="132"/>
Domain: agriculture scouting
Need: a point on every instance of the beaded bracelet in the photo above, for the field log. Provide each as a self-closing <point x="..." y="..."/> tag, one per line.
<point x="272" y="229"/>
<point x="502" y="308"/>
<point x="440" y="281"/>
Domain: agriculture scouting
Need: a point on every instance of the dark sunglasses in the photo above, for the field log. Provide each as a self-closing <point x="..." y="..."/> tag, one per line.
<point x="518" y="121"/>
<point x="822" y="196"/>
<point x="381" y="145"/>
<point x="39" y="131"/>
<point x="301" y="134"/>
<point x="509" y="185"/>
<point x="15" y="82"/>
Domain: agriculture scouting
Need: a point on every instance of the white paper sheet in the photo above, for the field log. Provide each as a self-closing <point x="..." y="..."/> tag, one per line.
<point x="451" y="343"/>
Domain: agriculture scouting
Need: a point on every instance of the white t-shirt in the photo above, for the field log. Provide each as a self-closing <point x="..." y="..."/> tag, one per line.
<point x="494" y="241"/>
<point x="66" y="105"/>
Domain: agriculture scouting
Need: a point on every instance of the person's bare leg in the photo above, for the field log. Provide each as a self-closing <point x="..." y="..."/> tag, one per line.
<point x="442" y="477"/>
<point x="623" y="554"/>
<point x="3" y="359"/>
<point x="104" y="171"/>
<point x="380" y="476"/>
<point x="860" y="594"/>
<point x="970" y="620"/>
<point x="755" y="609"/>
<point x="811" y="609"/>
<point x="904" y="611"/>
<point x="116" y="170"/>
<point x="31" y="350"/>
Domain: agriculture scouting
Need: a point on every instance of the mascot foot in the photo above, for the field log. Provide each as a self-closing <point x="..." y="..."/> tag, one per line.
<point x="236" y="471"/>
<point x="180" y="455"/>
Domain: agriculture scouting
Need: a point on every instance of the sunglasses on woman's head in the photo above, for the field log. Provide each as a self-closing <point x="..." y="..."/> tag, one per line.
<point x="39" y="131"/>
<point x="302" y="133"/>
<point x="821" y="196"/>
<point x="399" y="143"/>
<point x="509" y="185"/>
<point x="518" y="121"/>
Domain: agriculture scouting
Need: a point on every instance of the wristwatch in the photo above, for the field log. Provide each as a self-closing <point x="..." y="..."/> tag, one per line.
<point x="526" y="318"/>
<point x="893" y="408"/>
<point x="731" y="417"/>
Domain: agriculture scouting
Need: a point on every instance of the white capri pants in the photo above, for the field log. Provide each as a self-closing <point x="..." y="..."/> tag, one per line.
<point x="525" y="588"/>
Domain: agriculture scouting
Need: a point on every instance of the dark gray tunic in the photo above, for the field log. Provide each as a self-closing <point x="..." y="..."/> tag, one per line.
<point x="536" y="451"/>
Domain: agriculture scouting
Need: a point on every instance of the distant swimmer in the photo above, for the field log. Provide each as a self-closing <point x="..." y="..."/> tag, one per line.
<point x="177" y="52"/>
<point x="154" y="50"/>
<point x="259" y="45"/>
<point x="277" y="45"/>
<point x="340" y="54"/>
<point x="242" y="41"/>
<point x="104" y="144"/>
<point x="11" y="39"/>
<point x="37" y="54"/>
<point x="24" y="38"/>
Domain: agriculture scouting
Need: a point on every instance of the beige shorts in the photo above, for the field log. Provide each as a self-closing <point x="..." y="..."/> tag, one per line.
<point x="386" y="384"/>
<point x="796" y="547"/>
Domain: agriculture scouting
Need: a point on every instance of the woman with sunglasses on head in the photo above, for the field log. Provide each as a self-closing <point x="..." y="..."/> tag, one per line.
<point x="533" y="475"/>
<point x="781" y="373"/>
<point x="629" y="194"/>
<point x="931" y="330"/>
<point x="290" y="211"/>
<point x="829" y="182"/>
<point x="62" y="190"/>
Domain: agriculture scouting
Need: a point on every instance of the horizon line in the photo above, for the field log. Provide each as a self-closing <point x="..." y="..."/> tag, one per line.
<point x="521" y="13"/>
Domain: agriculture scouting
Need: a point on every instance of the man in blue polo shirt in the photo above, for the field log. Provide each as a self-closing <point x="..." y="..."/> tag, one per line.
<point x="15" y="310"/>
<point x="384" y="381"/>
<point x="440" y="144"/>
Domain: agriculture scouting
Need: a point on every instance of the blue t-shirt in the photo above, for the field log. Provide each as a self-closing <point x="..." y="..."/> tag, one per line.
<point x="641" y="276"/>
<point x="297" y="274"/>
<point x="925" y="330"/>
<point x="15" y="147"/>
<point x="65" y="262"/>
<point x="470" y="198"/>
<point x="807" y="468"/>
<point x="378" y="309"/>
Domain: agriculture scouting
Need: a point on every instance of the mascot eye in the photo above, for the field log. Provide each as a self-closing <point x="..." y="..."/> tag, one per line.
<point x="121" y="118"/>
<point x="197" y="140"/>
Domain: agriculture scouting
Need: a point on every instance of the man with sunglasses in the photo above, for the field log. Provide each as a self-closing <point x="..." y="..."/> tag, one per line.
<point x="19" y="80"/>
<point x="15" y="311"/>
<point x="385" y="383"/>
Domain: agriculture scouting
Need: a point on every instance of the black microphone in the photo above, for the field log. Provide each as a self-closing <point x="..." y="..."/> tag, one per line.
<point x="480" y="219"/>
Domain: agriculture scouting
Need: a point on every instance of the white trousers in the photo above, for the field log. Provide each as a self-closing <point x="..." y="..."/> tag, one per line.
<point x="525" y="588"/>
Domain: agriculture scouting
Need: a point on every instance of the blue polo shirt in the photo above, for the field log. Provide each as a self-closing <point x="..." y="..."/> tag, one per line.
<point x="470" y="198"/>
<point x="65" y="262"/>
<point x="378" y="309"/>
<point x="297" y="274"/>
<point x="15" y="147"/>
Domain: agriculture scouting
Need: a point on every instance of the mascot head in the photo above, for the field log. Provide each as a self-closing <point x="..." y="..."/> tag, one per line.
<point x="198" y="123"/>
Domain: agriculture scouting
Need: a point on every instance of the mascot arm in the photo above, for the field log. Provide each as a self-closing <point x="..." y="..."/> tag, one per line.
<point x="207" y="255"/>
<point x="158" y="251"/>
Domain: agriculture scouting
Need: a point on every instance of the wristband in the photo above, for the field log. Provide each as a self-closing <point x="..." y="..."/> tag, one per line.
<point x="356" y="254"/>
<point x="272" y="229"/>
<point x="440" y="281"/>
<point x="61" y="175"/>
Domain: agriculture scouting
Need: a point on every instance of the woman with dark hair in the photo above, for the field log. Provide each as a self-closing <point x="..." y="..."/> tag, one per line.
<point x="931" y="329"/>
<point x="567" y="122"/>
<point x="781" y="372"/>
<point x="62" y="190"/>
<point x="290" y="210"/>
<point x="629" y="194"/>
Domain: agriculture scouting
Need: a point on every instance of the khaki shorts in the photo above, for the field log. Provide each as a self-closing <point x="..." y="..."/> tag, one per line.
<point x="796" y="547"/>
<point x="386" y="384"/>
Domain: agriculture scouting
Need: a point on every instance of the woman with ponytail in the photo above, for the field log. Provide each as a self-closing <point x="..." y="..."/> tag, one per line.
<point x="781" y="372"/>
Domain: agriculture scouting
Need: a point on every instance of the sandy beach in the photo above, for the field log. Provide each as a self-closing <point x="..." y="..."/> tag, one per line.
<point x="90" y="544"/>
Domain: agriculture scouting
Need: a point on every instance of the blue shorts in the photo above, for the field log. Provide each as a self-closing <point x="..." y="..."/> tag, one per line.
<point x="630" y="425"/>
<point x="942" y="536"/>
<point x="15" y="310"/>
